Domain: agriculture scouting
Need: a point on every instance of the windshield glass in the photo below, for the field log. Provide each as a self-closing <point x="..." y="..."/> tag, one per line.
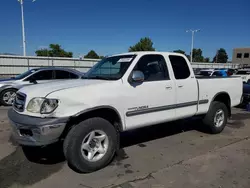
<point x="25" y="74"/>
<point x="110" y="68"/>
<point x="217" y="73"/>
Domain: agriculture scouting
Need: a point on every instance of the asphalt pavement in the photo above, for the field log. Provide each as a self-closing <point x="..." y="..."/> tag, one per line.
<point x="178" y="154"/>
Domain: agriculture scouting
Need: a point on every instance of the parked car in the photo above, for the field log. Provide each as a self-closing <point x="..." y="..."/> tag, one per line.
<point x="212" y="72"/>
<point x="244" y="74"/>
<point x="246" y="93"/>
<point x="120" y="93"/>
<point x="9" y="87"/>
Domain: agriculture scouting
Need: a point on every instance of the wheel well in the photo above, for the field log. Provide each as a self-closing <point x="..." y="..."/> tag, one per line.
<point x="224" y="98"/>
<point x="109" y="114"/>
<point x="8" y="88"/>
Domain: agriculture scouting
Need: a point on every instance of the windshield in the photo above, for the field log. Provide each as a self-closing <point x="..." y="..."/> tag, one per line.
<point x="25" y="74"/>
<point x="111" y="68"/>
<point x="217" y="73"/>
<point x="205" y="73"/>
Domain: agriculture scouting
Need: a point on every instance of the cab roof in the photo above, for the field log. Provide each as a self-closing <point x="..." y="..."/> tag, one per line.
<point x="149" y="52"/>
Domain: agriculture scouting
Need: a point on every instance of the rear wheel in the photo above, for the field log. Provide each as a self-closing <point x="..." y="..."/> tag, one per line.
<point x="7" y="97"/>
<point x="90" y="145"/>
<point x="216" y="117"/>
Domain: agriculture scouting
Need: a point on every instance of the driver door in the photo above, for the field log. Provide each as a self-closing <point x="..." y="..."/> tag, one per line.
<point x="151" y="101"/>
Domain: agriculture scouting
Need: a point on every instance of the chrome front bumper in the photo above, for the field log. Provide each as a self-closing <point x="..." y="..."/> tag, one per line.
<point x="35" y="131"/>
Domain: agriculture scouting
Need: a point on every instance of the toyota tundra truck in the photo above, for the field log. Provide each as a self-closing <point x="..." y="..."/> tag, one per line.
<point x="120" y="93"/>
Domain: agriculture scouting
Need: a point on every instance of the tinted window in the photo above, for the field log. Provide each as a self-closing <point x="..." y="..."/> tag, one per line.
<point x="61" y="74"/>
<point x="239" y="55"/>
<point x="246" y="55"/>
<point x="43" y="75"/>
<point x="180" y="67"/>
<point x="153" y="67"/>
<point x="73" y="76"/>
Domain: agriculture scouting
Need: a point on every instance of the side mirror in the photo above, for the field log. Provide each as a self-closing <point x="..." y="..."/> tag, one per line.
<point x="32" y="80"/>
<point x="137" y="76"/>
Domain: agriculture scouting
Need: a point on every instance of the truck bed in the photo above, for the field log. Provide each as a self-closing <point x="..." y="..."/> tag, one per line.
<point x="209" y="87"/>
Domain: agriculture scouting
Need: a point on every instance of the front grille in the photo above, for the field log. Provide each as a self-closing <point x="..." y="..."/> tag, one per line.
<point x="19" y="102"/>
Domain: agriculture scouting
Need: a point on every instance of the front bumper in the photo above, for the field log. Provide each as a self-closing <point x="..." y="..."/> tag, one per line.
<point x="35" y="131"/>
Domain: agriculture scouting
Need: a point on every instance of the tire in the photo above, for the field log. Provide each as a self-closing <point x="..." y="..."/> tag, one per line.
<point x="3" y="93"/>
<point x="209" y="119"/>
<point x="78" y="134"/>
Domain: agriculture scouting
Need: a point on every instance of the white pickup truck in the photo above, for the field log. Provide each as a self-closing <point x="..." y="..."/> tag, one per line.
<point x="120" y="93"/>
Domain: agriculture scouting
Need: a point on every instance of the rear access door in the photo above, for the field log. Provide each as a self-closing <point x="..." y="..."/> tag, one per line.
<point x="186" y="87"/>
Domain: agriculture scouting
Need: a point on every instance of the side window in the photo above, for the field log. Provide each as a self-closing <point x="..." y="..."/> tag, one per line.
<point x="43" y="75"/>
<point x="60" y="74"/>
<point x="73" y="76"/>
<point x="180" y="67"/>
<point x="153" y="67"/>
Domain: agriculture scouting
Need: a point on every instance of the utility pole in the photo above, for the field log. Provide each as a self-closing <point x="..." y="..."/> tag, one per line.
<point x="216" y="59"/>
<point x="23" y="27"/>
<point x="192" y="42"/>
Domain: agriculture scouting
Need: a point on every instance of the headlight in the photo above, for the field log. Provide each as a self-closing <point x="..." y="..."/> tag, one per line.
<point x="42" y="105"/>
<point x="48" y="106"/>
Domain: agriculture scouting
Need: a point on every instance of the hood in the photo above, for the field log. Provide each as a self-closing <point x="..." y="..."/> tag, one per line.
<point x="42" y="90"/>
<point x="246" y="88"/>
<point x="7" y="81"/>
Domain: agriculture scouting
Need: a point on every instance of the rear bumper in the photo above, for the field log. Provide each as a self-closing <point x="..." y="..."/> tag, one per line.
<point x="35" y="131"/>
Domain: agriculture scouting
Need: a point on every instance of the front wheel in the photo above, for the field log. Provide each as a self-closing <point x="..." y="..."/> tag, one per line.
<point x="90" y="145"/>
<point x="7" y="97"/>
<point x="216" y="117"/>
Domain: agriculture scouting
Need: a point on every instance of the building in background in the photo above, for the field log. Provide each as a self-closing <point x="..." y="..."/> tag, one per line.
<point x="241" y="56"/>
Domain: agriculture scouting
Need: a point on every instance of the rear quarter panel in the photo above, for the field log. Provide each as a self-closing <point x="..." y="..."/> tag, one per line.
<point x="209" y="88"/>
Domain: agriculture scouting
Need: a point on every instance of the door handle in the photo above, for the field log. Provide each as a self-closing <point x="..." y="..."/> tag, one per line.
<point x="180" y="86"/>
<point x="168" y="87"/>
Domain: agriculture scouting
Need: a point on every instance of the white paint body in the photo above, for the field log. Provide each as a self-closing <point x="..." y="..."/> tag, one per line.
<point x="76" y="96"/>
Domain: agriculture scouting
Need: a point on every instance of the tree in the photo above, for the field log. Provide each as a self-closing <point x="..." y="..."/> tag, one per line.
<point x="207" y="60"/>
<point x="92" y="55"/>
<point x="197" y="55"/>
<point x="180" y="51"/>
<point x="54" y="50"/>
<point x="145" y="44"/>
<point x="221" y="56"/>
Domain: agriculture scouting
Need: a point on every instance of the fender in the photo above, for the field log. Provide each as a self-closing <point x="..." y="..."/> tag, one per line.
<point x="225" y="93"/>
<point x="7" y="87"/>
<point x="121" y="127"/>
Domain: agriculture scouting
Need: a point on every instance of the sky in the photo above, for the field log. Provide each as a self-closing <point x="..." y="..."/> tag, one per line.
<point x="111" y="26"/>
